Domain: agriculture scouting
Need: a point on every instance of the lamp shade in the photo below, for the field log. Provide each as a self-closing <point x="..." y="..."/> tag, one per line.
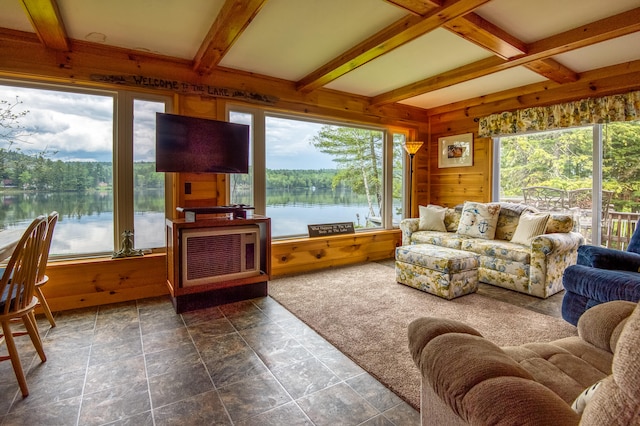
<point x="412" y="146"/>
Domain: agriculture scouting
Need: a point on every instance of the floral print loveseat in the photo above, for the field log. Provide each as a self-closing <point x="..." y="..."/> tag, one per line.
<point x="534" y="268"/>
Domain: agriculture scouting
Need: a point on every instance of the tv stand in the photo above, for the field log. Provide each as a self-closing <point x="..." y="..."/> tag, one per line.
<point x="213" y="252"/>
<point x="239" y="211"/>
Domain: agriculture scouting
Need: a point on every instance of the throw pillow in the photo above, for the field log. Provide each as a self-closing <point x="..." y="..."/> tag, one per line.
<point x="530" y="225"/>
<point x="479" y="220"/>
<point x="583" y="399"/>
<point x="432" y="218"/>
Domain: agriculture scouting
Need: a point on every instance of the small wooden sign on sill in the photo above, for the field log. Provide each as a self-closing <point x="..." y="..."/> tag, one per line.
<point x="325" y="229"/>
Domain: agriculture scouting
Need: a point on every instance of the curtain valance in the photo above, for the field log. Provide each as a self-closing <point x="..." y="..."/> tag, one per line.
<point x="623" y="107"/>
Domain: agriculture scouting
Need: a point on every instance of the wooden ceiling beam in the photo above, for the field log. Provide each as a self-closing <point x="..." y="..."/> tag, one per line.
<point x="416" y="7"/>
<point x="478" y="30"/>
<point x="234" y="17"/>
<point x="395" y="35"/>
<point x="44" y="16"/>
<point x="475" y="29"/>
<point x="553" y="70"/>
<point x="586" y="35"/>
<point x="483" y="33"/>
<point x="599" y="82"/>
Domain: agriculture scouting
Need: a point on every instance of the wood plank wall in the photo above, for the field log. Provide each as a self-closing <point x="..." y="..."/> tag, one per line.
<point x="99" y="281"/>
<point x="75" y="284"/>
<point x="452" y="186"/>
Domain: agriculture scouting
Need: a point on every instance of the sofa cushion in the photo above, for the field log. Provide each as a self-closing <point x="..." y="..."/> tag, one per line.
<point x="442" y="239"/>
<point x="607" y="258"/>
<point x="508" y="219"/>
<point x="530" y="225"/>
<point x="451" y="219"/>
<point x="557" y="222"/>
<point x="479" y="220"/>
<point x="432" y="218"/>
<point x="601" y="284"/>
<point x="497" y="249"/>
<point x="437" y="258"/>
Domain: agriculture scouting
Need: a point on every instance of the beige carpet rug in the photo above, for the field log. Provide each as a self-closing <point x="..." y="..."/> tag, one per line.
<point x="363" y="312"/>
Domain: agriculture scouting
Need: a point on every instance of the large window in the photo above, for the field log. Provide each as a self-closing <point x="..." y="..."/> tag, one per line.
<point x="148" y="185"/>
<point x="88" y="155"/>
<point x="590" y="172"/>
<point x="308" y="172"/>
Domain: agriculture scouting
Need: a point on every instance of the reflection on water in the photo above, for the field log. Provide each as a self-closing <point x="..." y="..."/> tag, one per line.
<point x="86" y="220"/>
<point x="85" y="224"/>
<point x="291" y="211"/>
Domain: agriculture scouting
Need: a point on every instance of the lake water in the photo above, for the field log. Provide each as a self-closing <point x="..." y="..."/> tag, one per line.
<point x="86" y="220"/>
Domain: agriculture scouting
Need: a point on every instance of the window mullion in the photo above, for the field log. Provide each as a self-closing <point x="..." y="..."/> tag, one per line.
<point x="596" y="185"/>
<point x="123" y="166"/>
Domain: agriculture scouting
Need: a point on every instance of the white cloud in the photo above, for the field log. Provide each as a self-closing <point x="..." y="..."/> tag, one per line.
<point x="79" y="127"/>
<point x="76" y="126"/>
<point x="289" y="145"/>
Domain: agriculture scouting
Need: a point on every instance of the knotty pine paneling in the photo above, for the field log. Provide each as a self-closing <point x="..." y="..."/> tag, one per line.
<point x="307" y="254"/>
<point x="451" y="186"/>
<point x="93" y="282"/>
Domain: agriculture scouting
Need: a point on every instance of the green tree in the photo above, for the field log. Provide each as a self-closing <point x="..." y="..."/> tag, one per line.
<point x="11" y="132"/>
<point x="621" y="168"/>
<point x="358" y="156"/>
<point x="564" y="159"/>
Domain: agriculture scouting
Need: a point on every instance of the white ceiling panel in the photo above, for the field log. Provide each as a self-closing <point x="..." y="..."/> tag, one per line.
<point x="612" y="52"/>
<point x="289" y="39"/>
<point x="170" y="27"/>
<point x="504" y="80"/>
<point x="12" y="16"/>
<point x="431" y="54"/>
<point x="292" y="38"/>
<point x="530" y="21"/>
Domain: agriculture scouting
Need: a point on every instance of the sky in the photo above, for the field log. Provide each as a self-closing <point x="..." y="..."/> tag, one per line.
<point x="79" y="127"/>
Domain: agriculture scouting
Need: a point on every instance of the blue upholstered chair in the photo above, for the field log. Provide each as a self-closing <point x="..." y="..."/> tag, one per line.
<point x="601" y="275"/>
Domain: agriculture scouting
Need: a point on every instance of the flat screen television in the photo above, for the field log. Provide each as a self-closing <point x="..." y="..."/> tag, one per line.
<point x="198" y="145"/>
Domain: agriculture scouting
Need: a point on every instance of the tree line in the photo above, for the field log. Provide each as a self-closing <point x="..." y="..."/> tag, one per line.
<point x="564" y="159"/>
<point x="39" y="173"/>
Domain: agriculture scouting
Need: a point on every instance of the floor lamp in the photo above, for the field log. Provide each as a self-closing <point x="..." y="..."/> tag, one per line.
<point x="411" y="148"/>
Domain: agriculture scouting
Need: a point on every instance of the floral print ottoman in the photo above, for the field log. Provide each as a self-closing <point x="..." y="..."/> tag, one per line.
<point x="442" y="271"/>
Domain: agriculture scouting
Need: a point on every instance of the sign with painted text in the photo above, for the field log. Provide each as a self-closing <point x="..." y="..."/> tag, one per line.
<point x="184" y="88"/>
<point x="323" y="230"/>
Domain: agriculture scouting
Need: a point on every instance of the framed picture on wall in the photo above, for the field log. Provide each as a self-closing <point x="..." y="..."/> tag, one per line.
<point x="455" y="151"/>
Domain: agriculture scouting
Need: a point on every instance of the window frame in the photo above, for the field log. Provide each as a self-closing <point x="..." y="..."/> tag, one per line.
<point x="259" y="116"/>
<point x="596" y="181"/>
<point x="123" y="185"/>
<point x="122" y="151"/>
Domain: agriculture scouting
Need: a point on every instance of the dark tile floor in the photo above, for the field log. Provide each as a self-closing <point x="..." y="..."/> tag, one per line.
<point x="247" y="363"/>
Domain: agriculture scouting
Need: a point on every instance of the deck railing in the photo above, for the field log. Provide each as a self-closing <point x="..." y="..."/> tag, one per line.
<point x="618" y="229"/>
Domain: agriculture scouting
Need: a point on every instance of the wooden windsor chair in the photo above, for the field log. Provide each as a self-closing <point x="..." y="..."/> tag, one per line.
<point x="17" y="300"/>
<point x="42" y="278"/>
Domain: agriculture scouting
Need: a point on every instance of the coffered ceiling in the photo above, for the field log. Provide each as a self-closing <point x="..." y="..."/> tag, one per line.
<point x="424" y="53"/>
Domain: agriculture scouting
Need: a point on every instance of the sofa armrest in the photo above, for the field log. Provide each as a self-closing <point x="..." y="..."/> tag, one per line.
<point x="477" y="380"/>
<point x="408" y="226"/>
<point x="606" y="258"/>
<point x="601" y="325"/>
<point x="422" y="330"/>
<point x="557" y="243"/>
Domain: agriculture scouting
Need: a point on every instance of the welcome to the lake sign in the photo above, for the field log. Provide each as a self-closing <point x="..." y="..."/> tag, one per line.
<point x="184" y="88"/>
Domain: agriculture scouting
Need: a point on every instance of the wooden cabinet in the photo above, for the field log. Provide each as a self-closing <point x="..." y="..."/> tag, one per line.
<point x="217" y="260"/>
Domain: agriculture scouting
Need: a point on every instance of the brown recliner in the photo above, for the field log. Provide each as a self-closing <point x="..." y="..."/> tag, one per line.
<point x="468" y="380"/>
